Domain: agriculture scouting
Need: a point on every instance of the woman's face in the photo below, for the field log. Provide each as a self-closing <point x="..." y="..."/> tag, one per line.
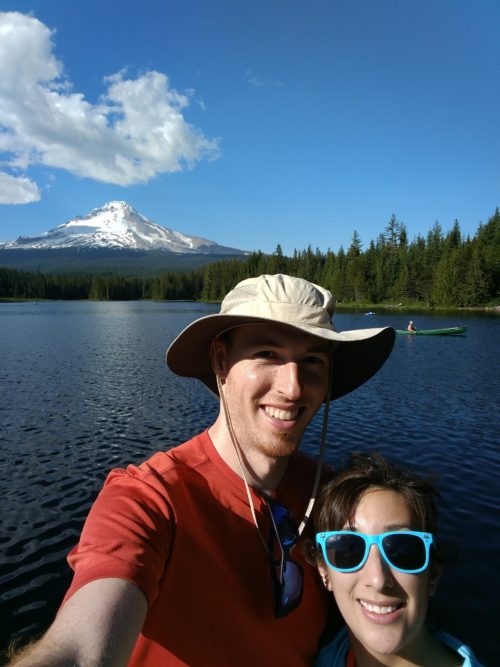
<point x="384" y="609"/>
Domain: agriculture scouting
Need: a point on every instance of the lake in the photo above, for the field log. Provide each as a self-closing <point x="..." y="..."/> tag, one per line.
<point x="84" y="387"/>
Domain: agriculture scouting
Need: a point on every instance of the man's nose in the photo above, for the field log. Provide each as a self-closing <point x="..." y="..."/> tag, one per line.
<point x="289" y="382"/>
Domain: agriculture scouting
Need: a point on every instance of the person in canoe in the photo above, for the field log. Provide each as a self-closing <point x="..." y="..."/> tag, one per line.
<point x="411" y="326"/>
<point x="378" y="551"/>
<point x="186" y="559"/>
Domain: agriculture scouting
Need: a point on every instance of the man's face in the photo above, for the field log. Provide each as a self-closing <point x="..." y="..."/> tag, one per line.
<point x="274" y="381"/>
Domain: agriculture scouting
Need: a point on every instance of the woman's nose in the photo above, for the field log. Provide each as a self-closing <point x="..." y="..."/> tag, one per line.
<point x="376" y="572"/>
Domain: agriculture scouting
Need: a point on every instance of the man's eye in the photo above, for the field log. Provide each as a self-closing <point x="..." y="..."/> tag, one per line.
<point x="265" y="354"/>
<point x="315" y="361"/>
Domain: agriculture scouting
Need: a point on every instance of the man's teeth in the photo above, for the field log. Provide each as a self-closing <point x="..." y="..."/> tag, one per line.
<point x="281" y="414"/>
<point x="378" y="610"/>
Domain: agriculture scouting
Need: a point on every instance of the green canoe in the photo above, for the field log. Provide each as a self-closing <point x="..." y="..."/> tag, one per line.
<point x="450" y="331"/>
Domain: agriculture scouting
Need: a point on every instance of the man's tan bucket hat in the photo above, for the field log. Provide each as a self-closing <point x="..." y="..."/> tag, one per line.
<point x="296" y="303"/>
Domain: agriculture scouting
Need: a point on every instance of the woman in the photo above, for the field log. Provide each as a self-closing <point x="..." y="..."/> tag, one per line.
<point x="376" y="550"/>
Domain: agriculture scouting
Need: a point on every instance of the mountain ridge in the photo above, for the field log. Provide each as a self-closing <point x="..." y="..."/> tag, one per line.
<point x="117" y="225"/>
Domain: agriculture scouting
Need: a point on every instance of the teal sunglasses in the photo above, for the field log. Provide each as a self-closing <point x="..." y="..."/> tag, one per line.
<point x="404" y="550"/>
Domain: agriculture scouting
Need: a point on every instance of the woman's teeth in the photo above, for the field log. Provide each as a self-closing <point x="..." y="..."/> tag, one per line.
<point x="378" y="610"/>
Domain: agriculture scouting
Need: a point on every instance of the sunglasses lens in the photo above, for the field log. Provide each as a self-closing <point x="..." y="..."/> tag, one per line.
<point x="285" y="525"/>
<point x="289" y="589"/>
<point x="345" y="551"/>
<point x="406" y="552"/>
<point x="287" y="576"/>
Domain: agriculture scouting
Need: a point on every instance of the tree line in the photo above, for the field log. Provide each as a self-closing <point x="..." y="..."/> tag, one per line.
<point x="439" y="269"/>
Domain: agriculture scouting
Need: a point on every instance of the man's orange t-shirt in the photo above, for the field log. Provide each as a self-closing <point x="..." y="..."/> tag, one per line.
<point x="179" y="527"/>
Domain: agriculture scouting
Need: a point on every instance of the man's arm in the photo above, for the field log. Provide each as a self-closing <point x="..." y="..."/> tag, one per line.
<point x="97" y="627"/>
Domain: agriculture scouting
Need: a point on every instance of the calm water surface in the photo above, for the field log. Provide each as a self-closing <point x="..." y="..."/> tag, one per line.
<point x="84" y="388"/>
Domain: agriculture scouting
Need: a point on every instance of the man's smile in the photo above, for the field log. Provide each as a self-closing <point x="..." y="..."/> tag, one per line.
<point x="283" y="415"/>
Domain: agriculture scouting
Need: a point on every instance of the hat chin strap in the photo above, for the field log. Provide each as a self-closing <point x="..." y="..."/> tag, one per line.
<point x="238" y="456"/>
<point x="237" y="449"/>
<point x="319" y="467"/>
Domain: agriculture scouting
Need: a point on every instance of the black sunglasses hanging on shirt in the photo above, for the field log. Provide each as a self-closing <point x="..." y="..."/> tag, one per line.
<point x="286" y="574"/>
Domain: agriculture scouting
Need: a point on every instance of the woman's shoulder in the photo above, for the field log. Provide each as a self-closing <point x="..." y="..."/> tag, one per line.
<point x="464" y="651"/>
<point x="334" y="653"/>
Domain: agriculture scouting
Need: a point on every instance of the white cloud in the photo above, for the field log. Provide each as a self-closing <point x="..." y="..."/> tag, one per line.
<point x="17" y="190"/>
<point x="261" y="83"/>
<point x="135" y="132"/>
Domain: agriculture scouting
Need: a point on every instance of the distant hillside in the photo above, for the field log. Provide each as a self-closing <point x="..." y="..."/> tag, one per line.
<point x="112" y="239"/>
<point x="148" y="263"/>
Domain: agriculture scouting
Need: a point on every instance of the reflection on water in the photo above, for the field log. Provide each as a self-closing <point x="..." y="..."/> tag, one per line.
<point x="84" y="387"/>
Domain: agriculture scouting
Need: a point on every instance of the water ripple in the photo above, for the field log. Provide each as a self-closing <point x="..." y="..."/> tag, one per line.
<point x="85" y="388"/>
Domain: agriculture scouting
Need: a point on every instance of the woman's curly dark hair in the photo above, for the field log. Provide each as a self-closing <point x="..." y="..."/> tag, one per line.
<point x="339" y="498"/>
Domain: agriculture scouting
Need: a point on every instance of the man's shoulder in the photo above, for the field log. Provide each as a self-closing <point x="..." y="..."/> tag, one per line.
<point x="163" y="467"/>
<point x="189" y="453"/>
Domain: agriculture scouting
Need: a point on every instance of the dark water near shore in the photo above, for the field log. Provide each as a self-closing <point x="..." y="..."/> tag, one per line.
<point x="84" y="388"/>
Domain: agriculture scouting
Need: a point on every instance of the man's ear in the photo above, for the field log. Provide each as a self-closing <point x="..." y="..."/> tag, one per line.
<point x="219" y="358"/>
<point x="323" y="571"/>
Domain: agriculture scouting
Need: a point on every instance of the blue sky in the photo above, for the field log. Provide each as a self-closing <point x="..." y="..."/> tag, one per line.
<point x="251" y="122"/>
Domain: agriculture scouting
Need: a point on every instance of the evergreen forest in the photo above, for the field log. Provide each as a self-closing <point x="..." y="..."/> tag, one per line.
<point x="437" y="270"/>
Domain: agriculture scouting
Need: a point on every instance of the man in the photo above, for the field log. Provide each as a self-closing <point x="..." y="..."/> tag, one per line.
<point x="189" y="558"/>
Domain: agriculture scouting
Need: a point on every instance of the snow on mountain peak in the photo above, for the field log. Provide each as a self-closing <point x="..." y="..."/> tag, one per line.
<point x="117" y="225"/>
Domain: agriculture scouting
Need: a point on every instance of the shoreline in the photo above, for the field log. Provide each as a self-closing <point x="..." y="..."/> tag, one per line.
<point x="339" y="307"/>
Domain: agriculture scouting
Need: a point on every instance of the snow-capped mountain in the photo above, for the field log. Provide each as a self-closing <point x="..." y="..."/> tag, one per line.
<point x="117" y="226"/>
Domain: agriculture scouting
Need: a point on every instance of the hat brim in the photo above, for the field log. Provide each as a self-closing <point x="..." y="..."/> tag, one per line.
<point x="358" y="355"/>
